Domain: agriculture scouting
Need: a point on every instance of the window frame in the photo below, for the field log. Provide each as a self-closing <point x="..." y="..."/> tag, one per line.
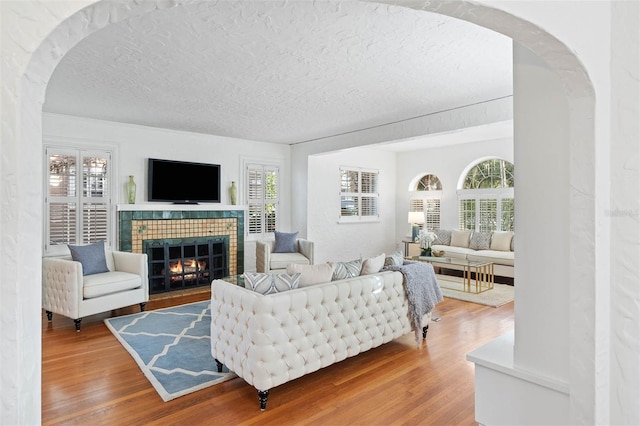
<point x="359" y="195"/>
<point x="420" y="198"/>
<point x="248" y="164"/>
<point x="80" y="151"/>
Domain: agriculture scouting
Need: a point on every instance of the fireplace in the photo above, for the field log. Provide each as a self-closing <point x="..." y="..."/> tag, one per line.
<point x="177" y="264"/>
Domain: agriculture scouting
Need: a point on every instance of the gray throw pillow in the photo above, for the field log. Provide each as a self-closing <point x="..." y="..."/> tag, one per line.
<point x="344" y="270"/>
<point x="91" y="257"/>
<point x="443" y="237"/>
<point x="270" y="283"/>
<point x="480" y="241"/>
<point x="285" y="242"/>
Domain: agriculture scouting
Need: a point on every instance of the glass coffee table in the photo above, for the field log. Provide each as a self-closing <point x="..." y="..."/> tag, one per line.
<point x="483" y="271"/>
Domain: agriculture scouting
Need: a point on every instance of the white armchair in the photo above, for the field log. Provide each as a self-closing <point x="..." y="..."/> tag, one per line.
<point x="267" y="261"/>
<point x="67" y="292"/>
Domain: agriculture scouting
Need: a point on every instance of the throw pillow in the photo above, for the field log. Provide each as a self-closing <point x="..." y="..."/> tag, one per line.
<point x="443" y="237"/>
<point x="460" y="238"/>
<point x="501" y="240"/>
<point x="373" y="265"/>
<point x="270" y="283"/>
<point x="312" y="274"/>
<point x="91" y="256"/>
<point x="344" y="270"/>
<point x="285" y="242"/>
<point x="394" y="259"/>
<point x="480" y="241"/>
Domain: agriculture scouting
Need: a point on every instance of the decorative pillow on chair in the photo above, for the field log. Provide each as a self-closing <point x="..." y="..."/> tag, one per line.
<point x="344" y="270"/>
<point x="460" y="238"/>
<point x="312" y="274"/>
<point x="394" y="259"/>
<point x="285" y="242"/>
<point x="270" y="283"/>
<point x="91" y="257"/>
<point x="480" y="241"/>
<point x="443" y="237"/>
<point x="373" y="265"/>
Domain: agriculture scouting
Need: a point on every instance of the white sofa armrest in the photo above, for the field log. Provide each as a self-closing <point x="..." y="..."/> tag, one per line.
<point x="263" y="256"/>
<point x="305" y="247"/>
<point x="61" y="286"/>
<point x="134" y="263"/>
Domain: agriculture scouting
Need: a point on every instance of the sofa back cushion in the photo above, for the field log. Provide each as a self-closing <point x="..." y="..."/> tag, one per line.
<point x="501" y="240"/>
<point x="460" y="238"/>
<point x="373" y="265"/>
<point x="312" y="274"/>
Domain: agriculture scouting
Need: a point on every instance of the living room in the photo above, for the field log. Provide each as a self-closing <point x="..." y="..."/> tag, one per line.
<point x="579" y="65"/>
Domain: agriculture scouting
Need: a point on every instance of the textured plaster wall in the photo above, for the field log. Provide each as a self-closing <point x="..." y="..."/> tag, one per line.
<point x="348" y="241"/>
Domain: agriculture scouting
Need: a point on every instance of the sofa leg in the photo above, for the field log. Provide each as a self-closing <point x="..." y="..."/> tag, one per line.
<point x="262" y="397"/>
<point x="77" y="321"/>
<point x="219" y="365"/>
<point x="142" y="306"/>
<point x="49" y="315"/>
<point x="424" y="331"/>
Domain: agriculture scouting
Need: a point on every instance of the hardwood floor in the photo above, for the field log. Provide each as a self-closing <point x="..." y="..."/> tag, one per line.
<point x="89" y="378"/>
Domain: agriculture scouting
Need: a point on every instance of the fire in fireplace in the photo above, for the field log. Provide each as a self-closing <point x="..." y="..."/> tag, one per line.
<point x="176" y="264"/>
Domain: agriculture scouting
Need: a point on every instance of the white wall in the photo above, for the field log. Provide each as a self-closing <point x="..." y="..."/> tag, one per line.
<point x="448" y="163"/>
<point x="133" y="145"/>
<point x="348" y="241"/>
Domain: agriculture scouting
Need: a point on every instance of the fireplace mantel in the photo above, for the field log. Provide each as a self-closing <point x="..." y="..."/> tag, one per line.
<point x="177" y="207"/>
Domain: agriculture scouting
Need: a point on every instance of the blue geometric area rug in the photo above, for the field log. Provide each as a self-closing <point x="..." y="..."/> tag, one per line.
<point x="172" y="346"/>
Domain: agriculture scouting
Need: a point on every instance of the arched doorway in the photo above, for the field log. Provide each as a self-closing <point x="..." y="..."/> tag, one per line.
<point x="22" y="136"/>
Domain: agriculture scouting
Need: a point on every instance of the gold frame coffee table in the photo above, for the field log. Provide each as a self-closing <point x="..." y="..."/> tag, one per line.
<point x="483" y="271"/>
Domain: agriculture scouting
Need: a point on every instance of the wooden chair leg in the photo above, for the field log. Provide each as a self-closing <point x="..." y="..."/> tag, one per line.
<point x="262" y="397"/>
<point x="77" y="321"/>
<point x="49" y="315"/>
<point x="143" y="305"/>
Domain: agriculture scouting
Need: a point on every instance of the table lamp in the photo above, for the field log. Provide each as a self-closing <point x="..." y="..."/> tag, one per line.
<point x="415" y="219"/>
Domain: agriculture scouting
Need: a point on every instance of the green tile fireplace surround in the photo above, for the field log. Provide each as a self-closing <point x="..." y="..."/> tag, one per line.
<point x="138" y="223"/>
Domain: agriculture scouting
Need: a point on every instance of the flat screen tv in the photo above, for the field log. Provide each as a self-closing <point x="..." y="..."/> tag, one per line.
<point x="183" y="182"/>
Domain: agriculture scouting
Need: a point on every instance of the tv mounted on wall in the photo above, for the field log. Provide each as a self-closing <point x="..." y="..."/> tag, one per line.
<point x="183" y="182"/>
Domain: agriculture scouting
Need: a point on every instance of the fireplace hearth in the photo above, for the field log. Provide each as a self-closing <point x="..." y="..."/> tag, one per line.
<point x="177" y="264"/>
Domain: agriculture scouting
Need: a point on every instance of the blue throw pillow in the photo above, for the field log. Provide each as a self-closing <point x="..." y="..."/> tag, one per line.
<point x="285" y="242"/>
<point x="91" y="257"/>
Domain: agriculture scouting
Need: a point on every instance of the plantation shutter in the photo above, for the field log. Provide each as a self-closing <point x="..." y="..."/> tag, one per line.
<point x="78" y="197"/>
<point x="358" y="193"/>
<point x="488" y="217"/>
<point x="432" y="214"/>
<point x="262" y="198"/>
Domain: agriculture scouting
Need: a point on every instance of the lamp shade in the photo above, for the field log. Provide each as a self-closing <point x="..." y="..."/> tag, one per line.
<point x="416" y="217"/>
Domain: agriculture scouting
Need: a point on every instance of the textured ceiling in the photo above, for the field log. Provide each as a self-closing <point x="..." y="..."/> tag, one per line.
<point x="281" y="72"/>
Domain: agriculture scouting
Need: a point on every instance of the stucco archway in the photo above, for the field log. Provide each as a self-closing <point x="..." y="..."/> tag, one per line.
<point x="22" y="206"/>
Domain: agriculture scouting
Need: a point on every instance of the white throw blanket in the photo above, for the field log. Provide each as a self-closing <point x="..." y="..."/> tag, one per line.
<point x="423" y="290"/>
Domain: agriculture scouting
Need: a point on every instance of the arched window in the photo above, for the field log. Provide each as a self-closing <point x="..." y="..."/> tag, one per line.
<point x="425" y="197"/>
<point x="485" y="198"/>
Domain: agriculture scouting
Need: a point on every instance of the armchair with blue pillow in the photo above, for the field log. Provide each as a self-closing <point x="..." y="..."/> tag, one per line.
<point x="285" y="249"/>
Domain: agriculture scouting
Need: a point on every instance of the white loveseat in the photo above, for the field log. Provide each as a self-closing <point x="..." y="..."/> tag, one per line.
<point x="271" y="339"/>
<point x="501" y="254"/>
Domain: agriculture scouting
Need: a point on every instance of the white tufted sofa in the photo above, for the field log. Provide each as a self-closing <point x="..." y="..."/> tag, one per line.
<point x="271" y="339"/>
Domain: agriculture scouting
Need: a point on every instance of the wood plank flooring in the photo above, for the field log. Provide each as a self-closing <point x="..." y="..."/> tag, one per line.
<point x="88" y="378"/>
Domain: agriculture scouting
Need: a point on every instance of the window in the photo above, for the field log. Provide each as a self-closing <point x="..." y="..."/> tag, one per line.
<point x="358" y="195"/>
<point x="486" y="200"/>
<point x="78" y="198"/>
<point x="262" y="198"/>
<point x="425" y="198"/>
